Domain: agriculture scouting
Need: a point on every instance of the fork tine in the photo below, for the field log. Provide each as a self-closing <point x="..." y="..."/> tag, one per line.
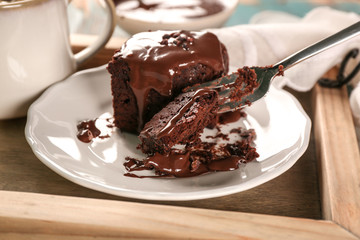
<point x="249" y="92"/>
<point x="226" y="104"/>
<point x="263" y="79"/>
<point x="239" y="88"/>
<point x="231" y="106"/>
<point x="215" y="84"/>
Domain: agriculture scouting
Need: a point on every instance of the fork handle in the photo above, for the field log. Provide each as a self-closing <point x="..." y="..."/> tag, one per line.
<point x="320" y="46"/>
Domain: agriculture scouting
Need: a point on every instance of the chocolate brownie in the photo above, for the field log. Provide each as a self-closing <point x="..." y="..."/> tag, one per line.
<point x="152" y="68"/>
<point x="181" y="121"/>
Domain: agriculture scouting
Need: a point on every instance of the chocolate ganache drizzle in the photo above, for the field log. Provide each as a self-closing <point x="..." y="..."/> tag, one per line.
<point x="171" y="123"/>
<point x="159" y="56"/>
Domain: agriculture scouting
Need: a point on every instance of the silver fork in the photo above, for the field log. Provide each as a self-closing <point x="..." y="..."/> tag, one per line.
<point x="266" y="74"/>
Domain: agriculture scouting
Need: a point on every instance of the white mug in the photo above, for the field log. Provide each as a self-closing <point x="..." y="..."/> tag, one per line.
<point x="35" y="50"/>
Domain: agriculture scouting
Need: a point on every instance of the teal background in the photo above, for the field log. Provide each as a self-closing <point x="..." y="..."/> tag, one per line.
<point x="245" y="11"/>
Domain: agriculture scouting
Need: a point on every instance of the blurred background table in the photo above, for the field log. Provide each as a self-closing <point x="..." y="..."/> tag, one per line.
<point x="86" y="17"/>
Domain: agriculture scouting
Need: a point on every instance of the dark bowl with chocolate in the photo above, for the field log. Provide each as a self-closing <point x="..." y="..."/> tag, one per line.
<point x="135" y="17"/>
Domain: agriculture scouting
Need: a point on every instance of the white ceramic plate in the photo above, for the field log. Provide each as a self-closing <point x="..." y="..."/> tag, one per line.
<point x="282" y="128"/>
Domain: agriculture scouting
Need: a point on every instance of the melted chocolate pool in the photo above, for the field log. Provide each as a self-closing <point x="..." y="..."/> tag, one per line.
<point x="209" y="7"/>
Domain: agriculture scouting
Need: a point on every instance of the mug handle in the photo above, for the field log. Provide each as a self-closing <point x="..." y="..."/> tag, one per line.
<point x="100" y="42"/>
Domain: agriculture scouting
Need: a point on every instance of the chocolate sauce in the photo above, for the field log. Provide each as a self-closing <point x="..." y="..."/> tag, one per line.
<point x="154" y="58"/>
<point x="4" y="2"/>
<point x="166" y="130"/>
<point x="177" y="165"/>
<point x="227" y="164"/>
<point x="230" y="117"/>
<point x="208" y="7"/>
<point x="87" y="129"/>
<point x="196" y="159"/>
<point x="220" y="135"/>
<point x="199" y="159"/>
<point x="141" y="4"/>
<point x="147" y="6"/>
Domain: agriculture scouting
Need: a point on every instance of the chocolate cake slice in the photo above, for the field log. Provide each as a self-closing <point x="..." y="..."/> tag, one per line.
<point x="152" y="68"/>
<point x="181" y="121"/>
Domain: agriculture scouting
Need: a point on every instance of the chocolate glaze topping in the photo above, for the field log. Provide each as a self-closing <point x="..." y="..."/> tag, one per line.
<point x="181" y="121"/>
<point x="157" y="56"/>
<point x="171" y="123"/>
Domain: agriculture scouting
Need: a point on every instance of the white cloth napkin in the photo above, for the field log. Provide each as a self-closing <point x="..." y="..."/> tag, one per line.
<point x="270" y="41"/>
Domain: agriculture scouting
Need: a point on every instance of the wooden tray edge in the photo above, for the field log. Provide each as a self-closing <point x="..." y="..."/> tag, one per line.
<point x="338" y="156"/>
<point x="35" y="215"/>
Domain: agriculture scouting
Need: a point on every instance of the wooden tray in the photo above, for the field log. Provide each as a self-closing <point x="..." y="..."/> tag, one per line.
<point x="34" y="205"/>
